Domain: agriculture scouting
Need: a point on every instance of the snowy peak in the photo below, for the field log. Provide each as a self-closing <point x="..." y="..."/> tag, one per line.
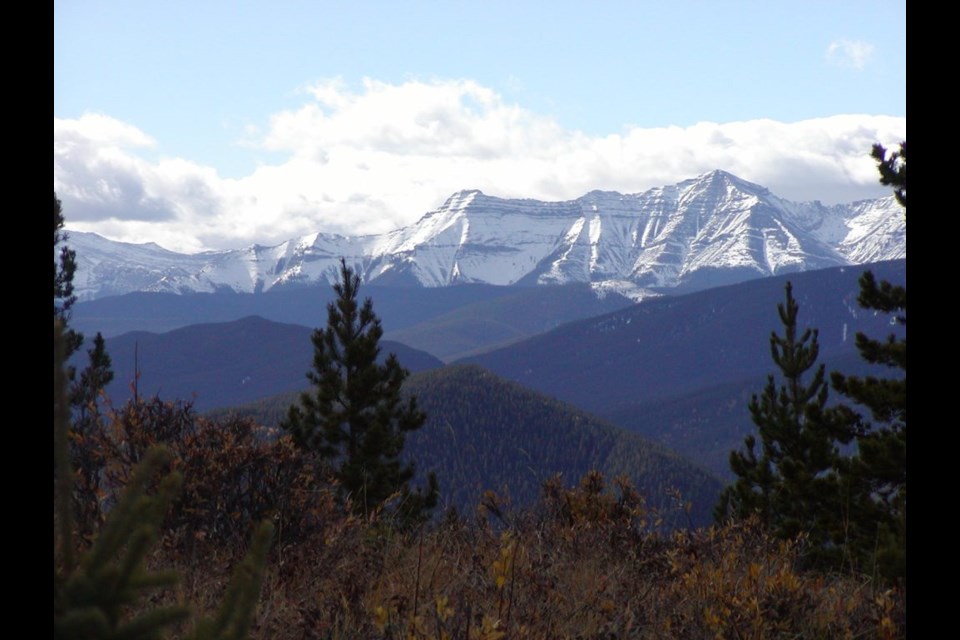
<point x="723" y="180"/>
<point x="710" y="230"/>
<point x="462" y="199"/>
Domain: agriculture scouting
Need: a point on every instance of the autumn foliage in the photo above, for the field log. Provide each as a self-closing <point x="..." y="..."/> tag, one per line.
<point x="588" y="561"/>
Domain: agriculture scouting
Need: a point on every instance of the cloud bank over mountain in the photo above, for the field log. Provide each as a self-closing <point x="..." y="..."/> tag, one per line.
<point x="374" y="158"/>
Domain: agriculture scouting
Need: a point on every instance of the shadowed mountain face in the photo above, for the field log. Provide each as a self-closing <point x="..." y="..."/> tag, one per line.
<point x="707" y="424"/>
<point x="682" y="370"/>
<point x="679" y="370"/>
<point x="223" y="364"/>
<point x="676" y="345"/>
<point x="399" y="308"/>
<point x="433" y="318"/>
<point x="653" y="351"/>
<point x="448" y="322"/>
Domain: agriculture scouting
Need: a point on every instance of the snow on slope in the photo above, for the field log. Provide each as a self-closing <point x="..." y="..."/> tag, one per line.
<point x="710" y="230"/>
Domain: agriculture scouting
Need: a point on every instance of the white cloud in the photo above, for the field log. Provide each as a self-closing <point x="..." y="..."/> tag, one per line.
<point x="371" y="160"/>
<point x="97" y="129"/>
<point x="852" y="54"/>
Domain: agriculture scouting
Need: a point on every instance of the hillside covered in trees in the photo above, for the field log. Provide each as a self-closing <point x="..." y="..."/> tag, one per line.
<point x="485" y="433"/>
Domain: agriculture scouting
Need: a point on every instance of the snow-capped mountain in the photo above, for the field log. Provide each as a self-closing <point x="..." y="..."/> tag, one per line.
<point x="711" y="230"/>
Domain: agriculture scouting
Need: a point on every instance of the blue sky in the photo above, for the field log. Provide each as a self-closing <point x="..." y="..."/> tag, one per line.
<point x="213" y="124"/>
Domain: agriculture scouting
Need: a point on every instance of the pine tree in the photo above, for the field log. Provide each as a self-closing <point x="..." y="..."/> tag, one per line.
<point x="356" y="416"/>
<point x="877" y="475"/>
<point x="893" y="170"/>
<point x="64" y="268"/>
<point x="85" y="392"/>
<point x="87" y="458"/>
<point x="852" y="506"/>
<point x="791" y="483"/>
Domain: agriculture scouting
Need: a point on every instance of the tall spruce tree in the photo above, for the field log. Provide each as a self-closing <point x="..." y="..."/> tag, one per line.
<point x="86" y="425"/>
<point x="98" y="373"/>
<point x="877" y="475"/>
<point x="64" y="268"/>
<point x="791" y="482"/>
<point x="356" y="416"/>
<point x="85" y="391"/>
<point x="851" y="505"/>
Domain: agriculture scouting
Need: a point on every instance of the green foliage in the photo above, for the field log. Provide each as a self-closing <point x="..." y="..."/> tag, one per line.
<point x="801" y="481"/>
<point x="485" y="432"/>
<point x="85" y="392"/>
<point x="90" y="602"/>
<point x="87" y="458"/>
<point x="791" y="484"/>
<point x="356" y="415"/>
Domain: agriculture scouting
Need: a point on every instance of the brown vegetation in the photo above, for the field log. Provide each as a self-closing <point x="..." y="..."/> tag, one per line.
<point x="590" y="561"/>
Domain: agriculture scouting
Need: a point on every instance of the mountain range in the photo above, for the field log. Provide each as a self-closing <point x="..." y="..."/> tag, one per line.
<point x="650" y="311"/>
<point x="707" y="231"/>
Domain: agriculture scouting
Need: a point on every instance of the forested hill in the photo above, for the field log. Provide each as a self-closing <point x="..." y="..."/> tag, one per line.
<point x="483" y="432"/>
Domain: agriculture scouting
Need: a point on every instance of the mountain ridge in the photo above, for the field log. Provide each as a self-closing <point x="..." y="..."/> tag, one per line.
<point x="701" y="232"/>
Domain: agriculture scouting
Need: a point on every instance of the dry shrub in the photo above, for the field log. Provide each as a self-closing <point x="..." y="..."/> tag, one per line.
<point x="588" y="561"/>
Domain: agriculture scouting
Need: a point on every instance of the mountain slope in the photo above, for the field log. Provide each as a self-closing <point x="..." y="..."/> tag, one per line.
<point x="448" y="322"/>
<point x="522" y="313"/>
<point x="159" y="312"/>
<point x="675" y="345"/>
<point x="709" y="423"/>
<point x="483" y="432"/>
<point x="222" y="364"/>
<point x="647" y="367"/>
